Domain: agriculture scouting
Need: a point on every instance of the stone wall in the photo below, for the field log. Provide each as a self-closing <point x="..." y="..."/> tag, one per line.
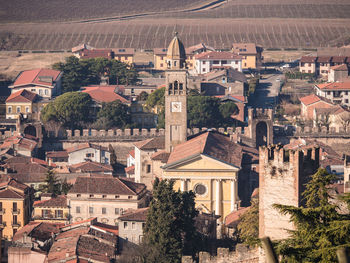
<point x="242" y="254"/>
<point x="282" y="176"/>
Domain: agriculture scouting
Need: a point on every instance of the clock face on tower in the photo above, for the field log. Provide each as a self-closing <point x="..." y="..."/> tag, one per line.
<point x="176" y="106"/>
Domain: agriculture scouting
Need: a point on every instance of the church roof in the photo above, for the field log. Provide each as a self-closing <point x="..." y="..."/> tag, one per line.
<point x="176" y="49"/>
<point x="210" y="143"/>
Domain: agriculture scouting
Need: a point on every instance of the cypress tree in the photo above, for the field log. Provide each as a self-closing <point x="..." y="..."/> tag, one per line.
<point x="320" y="228"/>
<point x="170" y="224"/>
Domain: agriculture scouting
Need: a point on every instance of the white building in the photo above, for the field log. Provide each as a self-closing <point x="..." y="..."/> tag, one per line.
<point x="44" y="82"/>
<point x="88" y="151"/>
<point x="336" y="92"/>
<point x="208" y="61"/>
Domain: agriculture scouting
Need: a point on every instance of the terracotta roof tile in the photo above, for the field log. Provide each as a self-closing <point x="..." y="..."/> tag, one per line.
<point x="244" y="48"/>
<point x="338" y="59"/>
<point x="131" y="153"/>
<point x="308" y="59"/>
<point x="232" y="219"/>
<point x="91" y="167"/>
<point x="86" y="145"/>
<point x="103" y="185"/>
<point x="162" y="156"/>
<point x="217" y="55"/>
<point x="58" y="201"/>
<point x="104" y="94"/>
<point x="20" y="141"/>
<point x="9" y="193"/>
<point x="130" y="169"/>
<point x="22" y="96"/>
<point x="151" y="144"/>
<point x="334" y="86"/>
<point x="96" y="53"/>
<point x="325" y="59"/>
<point x="310" y="99"/>
<point x="211" y="143"/>
<point x="35" y="76"/>
<point x="342" y="67"/>
<point x="139" y="215"/>
<point x="57" y="154"/>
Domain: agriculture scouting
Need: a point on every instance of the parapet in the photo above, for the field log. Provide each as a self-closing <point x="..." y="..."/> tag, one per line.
<point x="134" y="133"/>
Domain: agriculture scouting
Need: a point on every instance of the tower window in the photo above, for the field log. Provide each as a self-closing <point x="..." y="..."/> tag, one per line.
<point x="176" y="85"/>
<point x="181" y="86"/>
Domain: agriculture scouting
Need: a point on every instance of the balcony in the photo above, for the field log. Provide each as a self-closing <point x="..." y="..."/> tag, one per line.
<point x="15" y="224"/>
<point x="2" y="211"/>
<point x="2" y="224"/>
<point x="16" y="212"/>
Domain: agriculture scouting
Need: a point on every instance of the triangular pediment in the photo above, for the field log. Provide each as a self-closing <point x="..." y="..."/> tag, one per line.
<point x="201" y="162"/>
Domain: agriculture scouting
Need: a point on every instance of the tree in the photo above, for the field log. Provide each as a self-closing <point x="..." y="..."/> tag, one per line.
<point x="115" y="114"/>
<point x="83" y="72"/>
<point x="170" y="224"/>
<point x="248" y="227"/>
<point x="227" y="109"/>
<point x="320" y="229"/>
<point x="65" y="186"/>
<point x="113" y="157"/>
<point x="142" y="96"/>
<point x="203" y="111"/>
<point x="156" y="99"/>
<point x="52" y="184"/>
<point x="69" y="109"/>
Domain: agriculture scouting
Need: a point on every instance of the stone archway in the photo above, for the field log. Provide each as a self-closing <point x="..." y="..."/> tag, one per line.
<point x="261" y="134"/>
<point x="30" y="130"/>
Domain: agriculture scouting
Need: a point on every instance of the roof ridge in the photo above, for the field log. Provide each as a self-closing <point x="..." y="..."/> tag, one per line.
<point x="205" y="142"/>
<point x="125" y="186"/>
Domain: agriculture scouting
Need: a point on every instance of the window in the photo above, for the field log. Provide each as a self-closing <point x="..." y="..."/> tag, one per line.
<point x="161" y="65"/>
<point x="77" y="209"/>
<point x="104" y="210"/>
<point x="224" y="62"/>
<point x="346" y="101"/>
<point x="18" y="109"/>
<point x="14" y="207"/>
<point x="346" y="93"/>
<point x="91" y="210"/>
<point x="216" y="62"/>
<point x="14" y="219"/>
<point x="125" y="225"/>
<point x="78" y="195"/>
<point x="91" y="196"/>
<point x="203" y="62"/>
<point x="104" y="196"/>
<point x="148" y="168"/>
<point x="58" y="213"/>
<point x="121" y="211"/>
<point x="143" y="225"/>
<point x="204" y="70"/>
<point x="117" y="196"/>
<point x="89" y="155"/>
<point x="133" y="225"/>
<point x="200" y="189"/>
<point x="40" y="92"/>
<point x="328" y="93"/>
<point x="33" y="90"/>
<point x="236" y="62"/>
<point x="46" y="92"/>
<point x="14" y="231"/>
<point x="9" y="110"/>
<point x="116" y="211"/>
<point x="27" y="109"/>
<point x="129" y="197"/>
<point x="45" y="213"/>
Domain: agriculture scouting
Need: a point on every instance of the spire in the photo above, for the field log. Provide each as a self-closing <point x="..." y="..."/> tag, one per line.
<point x="176" y="55"/>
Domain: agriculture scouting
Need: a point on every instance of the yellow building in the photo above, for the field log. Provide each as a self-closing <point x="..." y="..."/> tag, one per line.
<point x="160" y="56"/>
<point x="207" y="164"/>
<point x="15" y="205"/>
<point x="51" y="209"/>
<point x="20" y="102"/>
<point x="251" y="54"/>
<point x="125" y="55"/>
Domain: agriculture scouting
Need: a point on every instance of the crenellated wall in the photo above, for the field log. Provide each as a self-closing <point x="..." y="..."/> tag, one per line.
<point x="242" y="254"/>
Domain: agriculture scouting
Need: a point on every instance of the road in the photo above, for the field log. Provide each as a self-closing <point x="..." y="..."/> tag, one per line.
<point x="266" y="93"/>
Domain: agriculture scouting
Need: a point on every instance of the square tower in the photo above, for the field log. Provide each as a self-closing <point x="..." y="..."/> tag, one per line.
<point x="175" y="108"/>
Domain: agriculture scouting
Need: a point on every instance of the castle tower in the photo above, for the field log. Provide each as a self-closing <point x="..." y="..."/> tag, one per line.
<point x="175" y="95"/>
<point x="283" y="173"/>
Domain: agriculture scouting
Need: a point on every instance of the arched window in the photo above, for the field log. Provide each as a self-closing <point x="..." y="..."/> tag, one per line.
<point x="176" y="85"/>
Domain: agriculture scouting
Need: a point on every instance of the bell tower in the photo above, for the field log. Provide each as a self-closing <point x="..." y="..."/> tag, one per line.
<point x="175" y="95"/>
